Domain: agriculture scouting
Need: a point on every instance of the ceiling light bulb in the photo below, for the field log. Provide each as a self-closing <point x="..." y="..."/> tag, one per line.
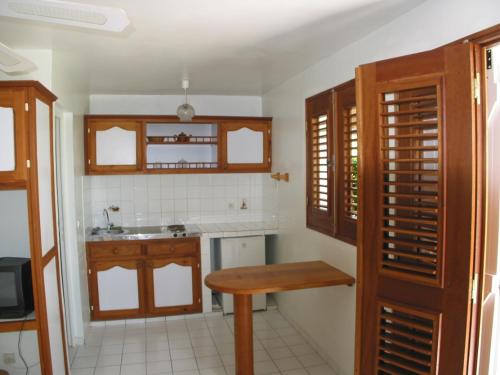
<point x="185" y="111"/>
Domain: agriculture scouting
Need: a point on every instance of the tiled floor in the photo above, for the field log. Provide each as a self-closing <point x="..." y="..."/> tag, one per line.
<point x="195" y="346"/>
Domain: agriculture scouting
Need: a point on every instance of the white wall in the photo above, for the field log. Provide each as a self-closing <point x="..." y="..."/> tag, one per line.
<point x="180" y="198"/>
<point x="29" y="350"/>
<point x="73" y="102"/>
<point x="331" y="323"/>
<point x="42" y="58"/>
<point x="167" y="104"/>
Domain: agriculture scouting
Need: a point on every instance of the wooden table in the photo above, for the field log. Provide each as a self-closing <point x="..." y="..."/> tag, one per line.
<point x="243" y="282"/>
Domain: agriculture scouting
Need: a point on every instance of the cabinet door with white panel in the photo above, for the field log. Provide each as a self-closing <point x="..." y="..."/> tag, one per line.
<point x="114" y="146"/>
<point x="173" y="285"/>
<point x="246" y="145"/>
<point x="13" y="135"/>
<point x="116" y="288"/>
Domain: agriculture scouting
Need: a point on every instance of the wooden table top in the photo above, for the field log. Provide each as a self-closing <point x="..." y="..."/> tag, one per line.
<point x="276" y="278"/>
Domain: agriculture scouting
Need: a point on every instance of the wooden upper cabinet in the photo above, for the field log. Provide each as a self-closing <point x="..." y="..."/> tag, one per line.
<point x="245" y="145"/>
<point x="13" y="135"/>
<point x="114" y="146"/>
<point x="153" y="144"/>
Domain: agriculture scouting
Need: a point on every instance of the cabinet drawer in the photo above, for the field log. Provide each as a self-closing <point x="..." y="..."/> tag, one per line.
<point x="110" y="250"/>
<point x="174" y="247"/>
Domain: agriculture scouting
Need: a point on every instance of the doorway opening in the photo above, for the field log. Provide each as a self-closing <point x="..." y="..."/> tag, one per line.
<point x="489" y="345"/>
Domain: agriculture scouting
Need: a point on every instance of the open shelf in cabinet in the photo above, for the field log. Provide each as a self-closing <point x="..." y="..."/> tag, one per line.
<point x="28" y="323"/>
<point x="190" y="140"/>
<point x="166" y="151"/>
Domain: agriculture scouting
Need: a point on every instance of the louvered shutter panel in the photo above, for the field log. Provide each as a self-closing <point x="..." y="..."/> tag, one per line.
<point x="319" y="161"/>
<point x="416" y="214"/>
<point x="406" y="341"/>
<point x="346" y="162"/>
<point x="410" y="126"/>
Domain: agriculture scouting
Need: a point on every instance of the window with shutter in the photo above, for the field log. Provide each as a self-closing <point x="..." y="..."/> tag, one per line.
<point x="319" y="158"/>
<point x="347" y="162"/>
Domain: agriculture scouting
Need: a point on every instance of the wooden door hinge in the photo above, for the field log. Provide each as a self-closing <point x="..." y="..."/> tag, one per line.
<point x="477" y="88"/>
<point x="26" y="107"/>
<point x="475" y="281"/>
<point x="91" y="308"/>
<point x="88" y="130"/>
<point x="28" y="164"/>
<point x="90" y="271"/>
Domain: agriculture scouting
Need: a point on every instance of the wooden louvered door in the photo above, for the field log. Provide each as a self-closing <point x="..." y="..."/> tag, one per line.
<point x="319" y="162"/>
<point x="416" y="215"/>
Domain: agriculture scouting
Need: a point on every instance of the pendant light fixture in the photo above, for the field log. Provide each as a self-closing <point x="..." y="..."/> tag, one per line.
<point x="185" y="111"/>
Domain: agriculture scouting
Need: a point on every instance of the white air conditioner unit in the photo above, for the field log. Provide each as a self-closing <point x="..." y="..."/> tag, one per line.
<point x="66" y="13"/>
<point x="11" y="62"/>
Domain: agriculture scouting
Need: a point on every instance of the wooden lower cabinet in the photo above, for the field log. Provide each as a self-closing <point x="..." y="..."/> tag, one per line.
<point x="133" y="279"/>
<point x="116" y="289"/>
<point x="173" y="286"/>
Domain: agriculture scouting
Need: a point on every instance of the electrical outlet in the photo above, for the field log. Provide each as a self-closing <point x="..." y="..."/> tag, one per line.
<point x="9" y="358"/>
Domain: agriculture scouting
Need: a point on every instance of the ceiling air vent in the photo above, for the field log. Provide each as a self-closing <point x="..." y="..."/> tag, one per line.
<point x="67" y="13"/>
<point x="11" y="62"/>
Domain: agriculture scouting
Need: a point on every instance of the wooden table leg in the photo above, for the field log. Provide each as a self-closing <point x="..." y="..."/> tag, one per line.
<point x="243" y="334"/>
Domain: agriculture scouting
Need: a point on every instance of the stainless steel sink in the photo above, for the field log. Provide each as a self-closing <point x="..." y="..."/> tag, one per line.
<point x="103" y="231"/>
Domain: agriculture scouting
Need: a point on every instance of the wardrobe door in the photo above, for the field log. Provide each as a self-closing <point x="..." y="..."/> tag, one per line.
<point x="41" y="187"/>
<point x="417" y="212"/>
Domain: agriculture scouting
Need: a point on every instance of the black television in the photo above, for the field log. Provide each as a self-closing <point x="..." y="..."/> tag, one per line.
<point x="16" y="290"/>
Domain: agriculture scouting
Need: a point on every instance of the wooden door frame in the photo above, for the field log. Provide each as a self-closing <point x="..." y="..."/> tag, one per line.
<point x="484" y="39"/>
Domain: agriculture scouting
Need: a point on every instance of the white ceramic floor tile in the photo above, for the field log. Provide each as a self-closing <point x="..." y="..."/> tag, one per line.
<point x="160" y="367"/>
<point x="188" y="372"/>
<point x="87" y="351"/>
<point x="131" y="358"/>
<point x="278" y="353"/>
<point x="295" y="372"/>
<point x="111" y="349"/>
<point x="205" y="351"/>
<point x="133" y="369"/>
<point x="184" y="364"/>
<point x="181" y="353"/>
<point x="109" y="360"/>
<point x="213" y="371"/>
<point x="134" y="348"/>
<point x="109" y="370"/>
<point x="157" y="346"/>
<point x="209" y="362"/>
<point x="195" y="346"/>
<point x="82" y="371"/>
<point x="265" y="367"/>
<point x="301" y="349"/>
<point x="285" y="364"/>
<point x="84" y="362"/>
<point x="320" y="370"/>
<point x="309" y="360"/>
<point x="158" y="356"/>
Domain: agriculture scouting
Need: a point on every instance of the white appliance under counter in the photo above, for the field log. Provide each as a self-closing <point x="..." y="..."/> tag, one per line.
<point x="212" y="232"/>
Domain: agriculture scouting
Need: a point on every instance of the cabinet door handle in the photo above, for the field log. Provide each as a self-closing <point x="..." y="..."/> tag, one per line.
<point x="115" y="250"/>
<point x="172" y="249"/>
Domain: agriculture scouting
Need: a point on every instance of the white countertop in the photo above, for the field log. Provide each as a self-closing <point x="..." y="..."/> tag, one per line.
<point x="235" y="229"/>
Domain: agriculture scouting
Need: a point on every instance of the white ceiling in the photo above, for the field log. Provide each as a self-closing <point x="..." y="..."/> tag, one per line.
<point x="240" y="47"/>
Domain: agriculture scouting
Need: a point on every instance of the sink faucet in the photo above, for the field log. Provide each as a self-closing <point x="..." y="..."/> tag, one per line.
<point x="109" y="224"/>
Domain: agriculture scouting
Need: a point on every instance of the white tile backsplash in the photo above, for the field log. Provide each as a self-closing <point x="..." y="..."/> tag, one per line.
<point x="167" y="199"/>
